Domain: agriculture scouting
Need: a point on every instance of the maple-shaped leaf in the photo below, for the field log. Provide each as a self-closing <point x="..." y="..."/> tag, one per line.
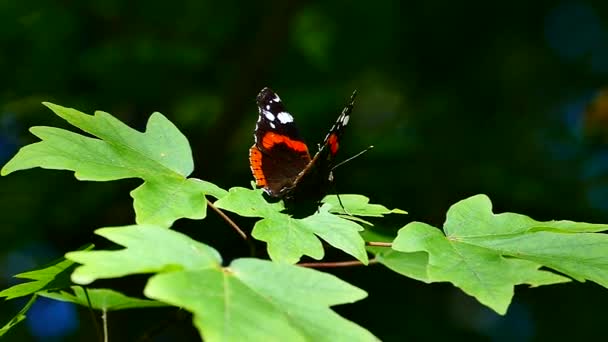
<point x="161" y="156"/>
<point x="486" y="254"/>
<point x="155" y="249"/>
<point x="288" y="238"/>
<point x="251" y="299"/>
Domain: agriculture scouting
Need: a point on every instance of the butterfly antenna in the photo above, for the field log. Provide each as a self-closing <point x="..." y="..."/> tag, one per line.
<point x="351" y="158"/>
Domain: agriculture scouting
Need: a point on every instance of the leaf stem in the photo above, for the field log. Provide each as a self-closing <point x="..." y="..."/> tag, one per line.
<point x="104" y="319"/>
<point x="227" y="219"/>
<point x="378" y="244"/>
<point x="93" y="317"/>
<point x="335" y="263"/>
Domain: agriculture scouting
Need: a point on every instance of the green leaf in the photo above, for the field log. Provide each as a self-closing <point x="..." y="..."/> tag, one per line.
<point x="249" y="203"/>
<point x="249" y="300"/>
<point x="160" y="156"/>
<point x="101" y="299"/>
<point x="55" y="275"/>
<point x="486" y="254"/>
<point x="412" y="265"/>
<point x="480" y="272"/>
<point x="288" y="238"/>
<point x="566" y="246"/>
<point x="338" y="232"/>
<point x="358" y="205"/>
<point x="258" y="300"/>
<point x="148" y="249"/>
<point x="160" y="201"/>
<point x="20" y="316"/>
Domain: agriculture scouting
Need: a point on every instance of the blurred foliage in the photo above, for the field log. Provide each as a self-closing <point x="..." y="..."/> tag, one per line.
<point x="458" y="98"/>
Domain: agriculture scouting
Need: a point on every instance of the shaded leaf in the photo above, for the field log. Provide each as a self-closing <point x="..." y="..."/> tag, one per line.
<point x="358" y="205"/>
<point x="20" y="316"/>
<point x="55" y="275"/>
<point x="101" y="299"/>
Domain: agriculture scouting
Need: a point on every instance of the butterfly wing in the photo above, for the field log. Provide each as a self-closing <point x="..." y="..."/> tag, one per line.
<point x="314" y="181"/>
<point x="331" y="143"/>
<point x="279" y="154"/>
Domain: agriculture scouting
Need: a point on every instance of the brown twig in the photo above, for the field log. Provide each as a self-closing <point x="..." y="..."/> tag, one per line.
<point x="335" y="264"/>
<point x="378" y="244"/>
<point x="227" y="219"/>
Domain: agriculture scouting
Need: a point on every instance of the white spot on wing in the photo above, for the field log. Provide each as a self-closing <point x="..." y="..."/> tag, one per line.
<point x="268" y="115"/>
<point x="277" y="98"/>
<point x="272" y="125"/>
<point x="345" y="120"/>
<point x="267" y="107"/>
<point x="284" y="117"/>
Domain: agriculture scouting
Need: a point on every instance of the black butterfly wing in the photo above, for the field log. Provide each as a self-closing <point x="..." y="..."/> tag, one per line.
<point x="279" y="154"/>
<point x="314" y="181"/>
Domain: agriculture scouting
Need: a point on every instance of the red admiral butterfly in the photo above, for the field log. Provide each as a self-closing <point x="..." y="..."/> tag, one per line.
<point x="279" y="159"/>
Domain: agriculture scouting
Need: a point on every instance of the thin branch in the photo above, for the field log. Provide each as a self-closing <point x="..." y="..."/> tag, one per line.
<point x="227" y="219"/>
<point x="93" y="318"/>
<point x="378" y="244"/>
<point x="104" y="319"/>
<point x="335" y="264"/>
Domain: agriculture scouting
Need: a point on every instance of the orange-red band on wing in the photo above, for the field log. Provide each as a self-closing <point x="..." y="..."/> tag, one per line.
<point x="271" y="138"/>
<point x="255" y="162"/>
<point x="332" y="141"/>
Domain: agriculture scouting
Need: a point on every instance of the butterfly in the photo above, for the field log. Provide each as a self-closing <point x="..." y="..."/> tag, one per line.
<point x="280" y="160"/>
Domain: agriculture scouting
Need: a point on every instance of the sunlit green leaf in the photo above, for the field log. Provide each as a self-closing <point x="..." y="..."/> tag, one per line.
<point x="160" y="156"/>
<point x="148" y="249"/>
<point x="249" y="203"/>
<point x="259" y="300"/>
<point x="288" y="238"/>
<point x="412" y="265"/>
<point x="249" y="300"/>
<point x="486" y="254"/>
<point x="338" y="232"/>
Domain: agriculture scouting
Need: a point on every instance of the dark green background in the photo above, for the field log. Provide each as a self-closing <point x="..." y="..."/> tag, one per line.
<point x="459" y="98"/>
